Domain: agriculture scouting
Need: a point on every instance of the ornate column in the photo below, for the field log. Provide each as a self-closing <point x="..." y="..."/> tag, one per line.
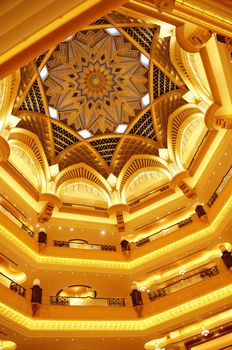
<point x="4" y="150"/>
<point x="178" y="181"/>
<point x="192" y="38"/>
<point x="187" y="190"/>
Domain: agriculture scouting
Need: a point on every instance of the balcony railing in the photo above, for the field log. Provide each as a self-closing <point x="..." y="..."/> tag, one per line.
<point x="165" y="230"/>
<point x="86" y="206"/>
<point x="183" y="283"/>
<point x="198" y="149"/>
<point x="9" y="283"/>
<point x="77" y="245"/>
<point x="146" y="195"/>
<point x="87" y="301"/>
<point x="220" y="187"/>
<point x="17" y="221"/>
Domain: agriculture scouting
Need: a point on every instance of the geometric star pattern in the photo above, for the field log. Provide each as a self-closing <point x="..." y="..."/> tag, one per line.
<point x="96" y="81"/>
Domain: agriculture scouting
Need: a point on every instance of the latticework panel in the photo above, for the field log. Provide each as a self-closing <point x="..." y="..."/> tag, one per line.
<point x="81" y="173"/>
<point x="31" y="143"/>
<point x="161" y="53"/>
<point x="162" y="83"/>
<point x="33" y="101"/>
<point x="138" y="164"/>
<point x="143" y="35"/>
<point x="144" y="127"/>
<point x="106" y="147"/>
<point x="40" y="59"/>
<point x="163" y="109"/>
<point x="82" y="153"/>
<point x="130" y="146"/>
<point x="100" y="21"/>
<point x="62" y="138"/>
<point x="40" y="127"/>
<point x="120" y="18"/>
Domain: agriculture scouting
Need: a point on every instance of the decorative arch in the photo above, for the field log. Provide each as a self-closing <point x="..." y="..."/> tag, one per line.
<point x="150" y="176"/>
<point x="84" y="173"/>
<point x="139" y="162"/>
<point x="41" y="181"/>
<point x="32" y="141"/>
<point x="175" y="121"/>
<point x="181" y="134"/>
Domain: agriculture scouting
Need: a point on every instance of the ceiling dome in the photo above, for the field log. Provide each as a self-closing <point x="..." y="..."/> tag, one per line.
<point x="96" y="81"/>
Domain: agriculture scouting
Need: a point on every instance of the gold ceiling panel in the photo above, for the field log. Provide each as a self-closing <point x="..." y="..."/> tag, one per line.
<point x="129" y="146"/>
<point x="161" y="54"/>
<point x="83" y="152"/>
<point x="106" y="146"/>
<point x="143" y="126"/>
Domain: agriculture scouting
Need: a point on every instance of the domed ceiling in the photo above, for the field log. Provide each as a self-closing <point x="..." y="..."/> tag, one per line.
<point x="96" y="81"/>
<point x="115" y="81"/>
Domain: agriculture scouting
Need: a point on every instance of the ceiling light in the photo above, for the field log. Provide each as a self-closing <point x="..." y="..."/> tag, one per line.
<point x="103" y="232"/>
<point x="53" y="112"/>
<point x="69" y="38"/>
<point x="204" y="331"/>
<point x="142" y="289"/>
<point x="182" y="271"/>
<point x="145" y="100"/>
<point x="85" y="133"/>
<point x="43" y="73"/>
<point x="121" y="128"/>
<point x="144" y="60"/>
<point x="112" y="31"/>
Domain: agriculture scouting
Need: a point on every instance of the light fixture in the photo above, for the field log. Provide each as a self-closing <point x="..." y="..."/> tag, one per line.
<point x="142" y="289"/>
<point x="121" y="128"/>
<point x="85" y="133"/>
<point x="182" y="272"/>
<point x="144" y="60"/>
<point x="53" y="112"/>
<point x="204" y="331"/>
<point x="43" y="73"/>
<point x="69" y="38"/>
<point x="112" y="31"/>
<point x="103" y="232"/>
<point x="145" y="100"/>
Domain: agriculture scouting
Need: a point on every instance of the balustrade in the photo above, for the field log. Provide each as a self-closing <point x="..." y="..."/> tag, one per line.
<point x="89" y="246"/>
<point x="183" y="283"/>
<point x="87" y="301"/>
<point x="12" y="285"/>
<point x="220" y="187"/>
